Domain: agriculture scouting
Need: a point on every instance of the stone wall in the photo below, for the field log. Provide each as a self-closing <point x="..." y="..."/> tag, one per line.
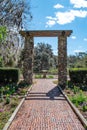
<point x="62" y="53"/>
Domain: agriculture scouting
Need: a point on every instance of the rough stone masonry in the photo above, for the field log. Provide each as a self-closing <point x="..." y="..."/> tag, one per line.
<point x="62" y="53"/>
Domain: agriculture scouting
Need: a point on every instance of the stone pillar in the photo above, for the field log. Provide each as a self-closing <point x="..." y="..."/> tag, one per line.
<point x="62" y="59"/>
<point x="28" y="59"/>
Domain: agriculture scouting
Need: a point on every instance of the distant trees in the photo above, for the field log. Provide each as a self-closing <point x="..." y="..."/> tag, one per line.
<point x="43" y="57"/>
<point x="79" y="60"/>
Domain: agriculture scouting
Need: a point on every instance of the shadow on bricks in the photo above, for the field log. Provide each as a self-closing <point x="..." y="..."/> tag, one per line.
<point x="55" y="92"/>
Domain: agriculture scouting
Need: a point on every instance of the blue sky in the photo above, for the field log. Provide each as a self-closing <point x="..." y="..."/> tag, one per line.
<point x="61" y="15"/>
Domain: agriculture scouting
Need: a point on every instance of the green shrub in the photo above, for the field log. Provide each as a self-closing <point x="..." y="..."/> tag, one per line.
<point x="78" y="99"/>
<point x="14" y="103"/>
<point x="84" y="108"/>
<point x="7" y="99"/>
<point x="50" y="76"/>
<point x="39" y="76"/>
<point x="9" y="75"/>
<point x="78" y="75"/>
<point x="76" y="89"/>
<point x="53" y="71"/>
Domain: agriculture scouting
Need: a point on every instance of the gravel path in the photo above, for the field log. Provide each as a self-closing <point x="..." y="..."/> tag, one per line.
<point x="45" y="108"/>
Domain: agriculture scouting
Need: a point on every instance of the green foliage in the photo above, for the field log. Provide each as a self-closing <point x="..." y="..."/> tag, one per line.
<point x="4" y="116"/>
<point x="43" y="57"/>
<point x="53" y="71"/>
<point x="78" y="75"/>
<point x="14" y="103"/>
<point x="2" y="93"/>
<point x="50" y="76"/>
<point x="79" y="98"/>
<point x="3" y="33"/>
<point x="7" y="99"/>
<point x="10" y="101"/>
<point x="38" y="76"/>
<point x="14" y="12"/>
<point x="76" y="89"/>
<point x="1" y="62"/>
<point x="9" y="75"/>
<point x="8" y="90"/>
<point x="79" y="60"/>
<point x="84" y="108"/>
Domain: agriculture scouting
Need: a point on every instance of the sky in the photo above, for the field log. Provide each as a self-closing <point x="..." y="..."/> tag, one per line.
<point x="61" y="15"/>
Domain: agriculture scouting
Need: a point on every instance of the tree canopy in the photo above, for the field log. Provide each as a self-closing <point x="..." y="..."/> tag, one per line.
<point x="43" y="57"/>
<point x="12" y="12"/>
<point x="78" y="61"/>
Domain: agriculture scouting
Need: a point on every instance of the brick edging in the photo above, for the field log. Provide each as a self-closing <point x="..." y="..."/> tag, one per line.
<point x="77" y="112"/>
<point x="7" y="125"/>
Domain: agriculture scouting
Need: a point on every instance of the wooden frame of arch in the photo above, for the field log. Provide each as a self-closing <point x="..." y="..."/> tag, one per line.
<point x="62" y="52"/>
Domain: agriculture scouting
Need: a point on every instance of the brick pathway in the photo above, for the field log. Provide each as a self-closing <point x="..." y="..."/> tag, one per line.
<point x="45" y="108"/>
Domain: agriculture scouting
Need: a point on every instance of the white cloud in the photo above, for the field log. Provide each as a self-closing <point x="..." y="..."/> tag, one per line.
<point x="79" y="3"/>
<point x="57" y="6"/>
<point x="69" y="16"/>
<point x="50" y="23"/>
<point x="85" y="39"/>
<point x="51" y="18"/>
<point x="77" y="51"/>
<point x="66" y="17"/>
<point x="73" y="37"/>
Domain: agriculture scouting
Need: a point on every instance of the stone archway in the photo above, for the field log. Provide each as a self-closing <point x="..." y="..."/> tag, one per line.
<point x="62" y="53"/>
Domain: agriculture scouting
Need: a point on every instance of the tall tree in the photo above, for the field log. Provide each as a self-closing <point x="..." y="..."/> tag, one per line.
<point x="13" y="12"/>
<point x="12" y="16"/>
<point x="42" y="56"/>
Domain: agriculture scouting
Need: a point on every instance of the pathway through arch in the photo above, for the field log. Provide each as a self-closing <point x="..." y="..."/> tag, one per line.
<point x="45" y="108"/>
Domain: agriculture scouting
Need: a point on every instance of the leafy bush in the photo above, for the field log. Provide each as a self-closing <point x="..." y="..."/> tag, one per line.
<point x="14" y="103"/>
<point x="53" y="71"/>
<point x="78" y="99"/>
<point x="9" y="75"/>
<point x="78" y="75"/>
<point x="7" y="99"/>
<point x="84" y="108"/>
<point x="76" y="89"/>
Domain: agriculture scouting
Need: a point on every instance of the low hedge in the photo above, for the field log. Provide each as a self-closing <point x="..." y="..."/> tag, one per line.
<point x="9" y="75"/>
<point x="78" y="75"/>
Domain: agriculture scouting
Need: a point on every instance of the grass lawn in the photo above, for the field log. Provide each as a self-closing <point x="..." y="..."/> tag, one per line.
<point x="40" y="76"/>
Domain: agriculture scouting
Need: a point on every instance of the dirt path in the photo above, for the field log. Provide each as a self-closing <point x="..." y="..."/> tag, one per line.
<point x="45" y="108"/>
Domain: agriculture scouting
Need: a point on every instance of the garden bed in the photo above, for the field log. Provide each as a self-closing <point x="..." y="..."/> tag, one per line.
<point x="11" y="95"/>
<point x="78" y="98"/>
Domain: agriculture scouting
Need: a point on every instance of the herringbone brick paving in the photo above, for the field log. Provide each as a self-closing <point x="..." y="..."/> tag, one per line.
<point x="45" y="108"/>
